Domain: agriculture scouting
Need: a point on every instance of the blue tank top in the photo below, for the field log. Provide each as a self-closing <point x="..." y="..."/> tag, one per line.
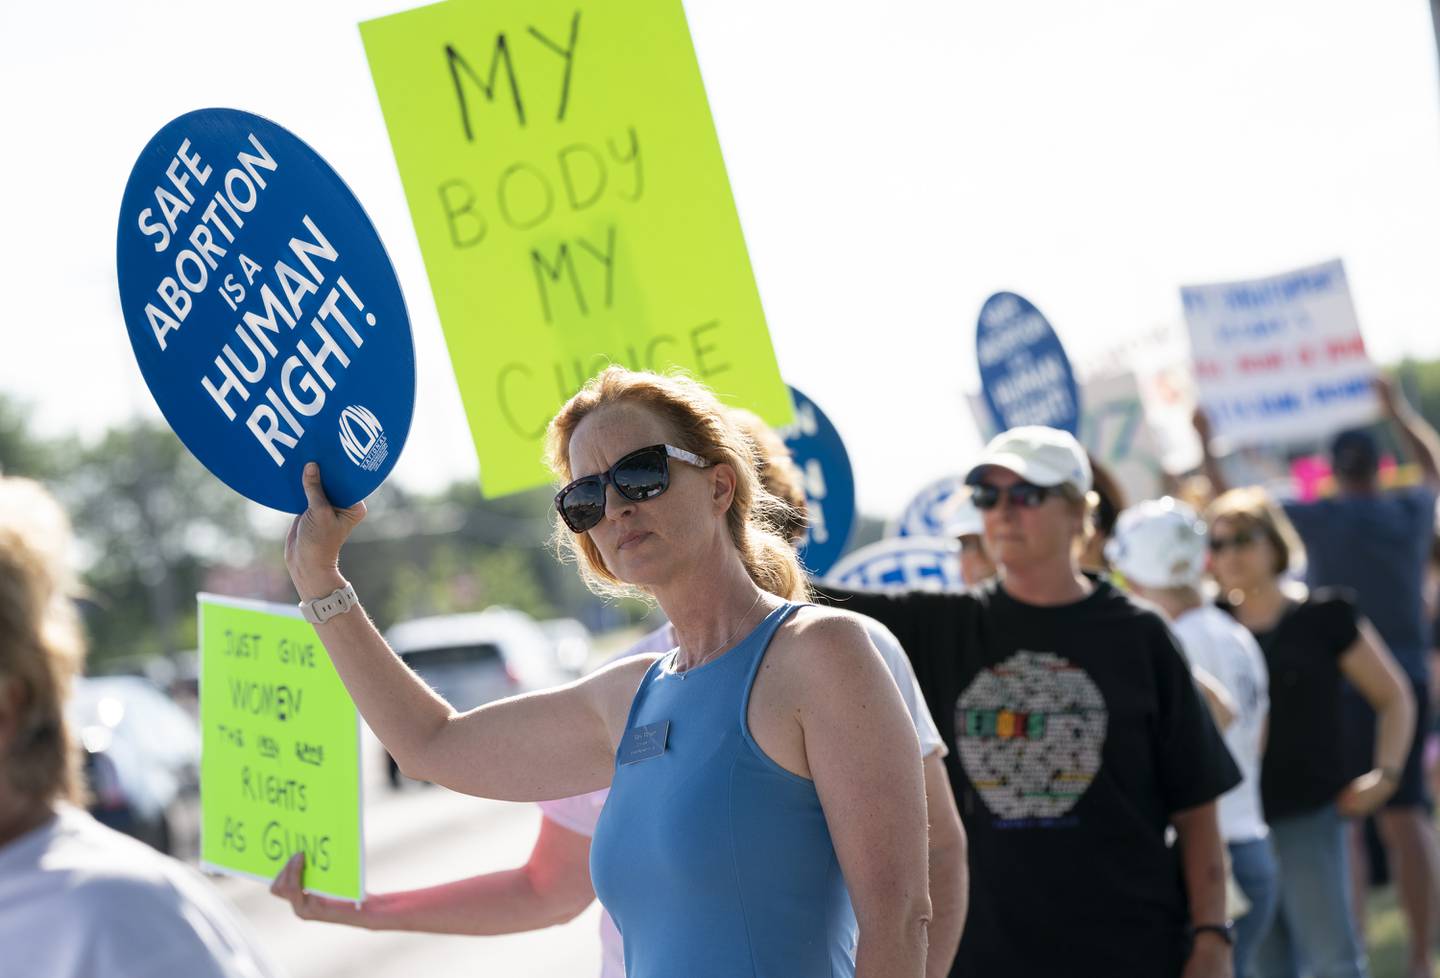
<point x="714" y="861"/>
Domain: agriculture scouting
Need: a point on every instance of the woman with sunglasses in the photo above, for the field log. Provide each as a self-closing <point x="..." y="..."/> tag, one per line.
<point x="553" y="885"/>
<point x="1313" y="643"/>
<point x="1077" y="740"/>
<point x="750" y="806"/>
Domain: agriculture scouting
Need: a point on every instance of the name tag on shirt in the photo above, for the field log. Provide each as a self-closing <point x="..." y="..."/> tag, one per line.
<point x="643" y="743"/>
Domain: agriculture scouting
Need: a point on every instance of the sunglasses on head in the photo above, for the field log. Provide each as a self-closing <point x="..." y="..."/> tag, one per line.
<point x="1021" y="494"/>
<point x="1243" y="538"/>
<point x="643" y="474"/>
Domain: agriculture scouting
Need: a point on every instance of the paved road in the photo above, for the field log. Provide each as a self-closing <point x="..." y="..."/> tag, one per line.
<point x="421" y="836"/>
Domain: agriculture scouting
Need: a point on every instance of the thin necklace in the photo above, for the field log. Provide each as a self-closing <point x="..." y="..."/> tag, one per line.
<point x="706" y="657"/>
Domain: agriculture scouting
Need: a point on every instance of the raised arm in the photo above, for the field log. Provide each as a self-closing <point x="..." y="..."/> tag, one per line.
<point x="862" y="753"/>
<point x="533" y="747"/>
<point x="1210" y="465"/>
<point x="552" y="887"/>
<point x="1422" y="443"/>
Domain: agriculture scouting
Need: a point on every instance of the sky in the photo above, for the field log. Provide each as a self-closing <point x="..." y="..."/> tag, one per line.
<point x="893" y="165"/>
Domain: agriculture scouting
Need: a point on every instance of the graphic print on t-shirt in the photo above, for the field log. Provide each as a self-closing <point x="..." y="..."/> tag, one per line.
<point x="1030" y="732"/>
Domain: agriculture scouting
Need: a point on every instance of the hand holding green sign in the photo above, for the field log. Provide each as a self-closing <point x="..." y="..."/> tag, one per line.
<point x="566" y="184"/>
<point x="280" y="761"/>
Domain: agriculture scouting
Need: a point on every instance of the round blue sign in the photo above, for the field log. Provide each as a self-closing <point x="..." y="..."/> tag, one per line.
<point x="908" y="563"/>
<point x="927" y="514"/>
<point x="263" y="310"/>
<point x="829" y="483"/>
<point x="1024" y="373"/>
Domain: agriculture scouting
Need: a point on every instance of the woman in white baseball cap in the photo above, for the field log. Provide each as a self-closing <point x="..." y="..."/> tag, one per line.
<point x="1077" y="740"/>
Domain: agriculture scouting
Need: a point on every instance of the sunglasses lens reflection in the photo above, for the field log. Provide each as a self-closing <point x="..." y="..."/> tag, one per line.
<point x="583" y="505"/>
<point x="643" y="475"/>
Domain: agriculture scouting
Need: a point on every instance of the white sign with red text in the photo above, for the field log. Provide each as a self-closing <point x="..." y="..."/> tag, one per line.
<point x="1280" y="358"/>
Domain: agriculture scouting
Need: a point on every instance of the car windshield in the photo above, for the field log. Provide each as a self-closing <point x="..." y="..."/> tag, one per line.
<point x="451" y="656"/>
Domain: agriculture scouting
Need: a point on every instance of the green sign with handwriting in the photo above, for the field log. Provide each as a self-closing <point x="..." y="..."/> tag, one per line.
<point x="280" y="749"/>
<point x="565" y="182"/>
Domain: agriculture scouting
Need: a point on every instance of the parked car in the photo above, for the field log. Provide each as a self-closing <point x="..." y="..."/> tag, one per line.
<point x="473" y="659"/>
<point x="570" y="643"/>
<point x="142" y="761"/>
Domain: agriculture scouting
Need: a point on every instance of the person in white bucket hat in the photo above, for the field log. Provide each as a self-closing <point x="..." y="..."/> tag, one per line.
<point x="1077" y="741"/>
<point x="1161" y="547"/>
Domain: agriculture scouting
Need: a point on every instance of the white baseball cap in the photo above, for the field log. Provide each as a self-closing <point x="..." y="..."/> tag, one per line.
<point x="962" y="519"/>
<point x="1159" y="543"/>
<point x="1039" y="455"/>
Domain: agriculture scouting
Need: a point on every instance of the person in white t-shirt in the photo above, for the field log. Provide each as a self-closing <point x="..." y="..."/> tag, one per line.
<point x="1160" y="547"/>
<point x="553" y="886"/>
<point x="77" y="899"/>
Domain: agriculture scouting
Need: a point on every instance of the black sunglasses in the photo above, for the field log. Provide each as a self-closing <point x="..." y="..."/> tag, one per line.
<point x="1021" y="494"/>
<point x="1241" y="539"/>
<point x="641" y="475"/>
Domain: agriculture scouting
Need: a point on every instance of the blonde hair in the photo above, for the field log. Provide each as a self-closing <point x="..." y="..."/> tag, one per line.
<point x="1254" y="508"/>
<point x="778" y="473"/>
<point x="41" y="647"/>
<point x="701" y="425"/>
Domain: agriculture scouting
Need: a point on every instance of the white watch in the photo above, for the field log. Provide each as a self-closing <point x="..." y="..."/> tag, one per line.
<point x="320" y="610"/>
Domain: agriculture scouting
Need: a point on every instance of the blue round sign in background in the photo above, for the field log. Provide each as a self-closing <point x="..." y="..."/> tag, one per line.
<point x="264" y="312"/>
<point x="1025" y="375"/>
<point x="911" y="563"/>
<point x="829" y="483"/>
<point x="927" y="514"/>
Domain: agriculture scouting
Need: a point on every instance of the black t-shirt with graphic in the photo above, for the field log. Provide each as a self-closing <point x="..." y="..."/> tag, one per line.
<point x="1305" y="763"/>
<point x="1075" y="732"/>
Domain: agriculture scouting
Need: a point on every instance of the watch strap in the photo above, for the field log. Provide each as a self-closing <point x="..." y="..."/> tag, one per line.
<point x="317" y="611"/>
<point x="1225" y="930"/>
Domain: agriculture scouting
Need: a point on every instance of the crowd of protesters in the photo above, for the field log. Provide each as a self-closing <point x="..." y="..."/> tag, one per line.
<point x="1144" y="740"/>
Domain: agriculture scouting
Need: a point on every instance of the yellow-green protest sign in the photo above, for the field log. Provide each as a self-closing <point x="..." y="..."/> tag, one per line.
<point x="565" y="182"/>
<point x="280" y="749"/>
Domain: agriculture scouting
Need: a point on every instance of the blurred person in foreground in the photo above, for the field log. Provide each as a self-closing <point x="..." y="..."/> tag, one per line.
<point x="1160" y="548"/>
<point x="749" y="812"/>
<point x="1313" y="642"/>
<point x="1077" y="741"/>
<point x="1376" y="542"/>
<point x="553" y="886"/>
<point x="77" y="899"/>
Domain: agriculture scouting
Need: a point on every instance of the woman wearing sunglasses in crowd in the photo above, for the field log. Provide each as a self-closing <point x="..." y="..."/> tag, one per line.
<point x="746" y="792"/>
<point x="1312" y="643"/>
<point x="554" y="884"/>
<point x="1077" y="739"/>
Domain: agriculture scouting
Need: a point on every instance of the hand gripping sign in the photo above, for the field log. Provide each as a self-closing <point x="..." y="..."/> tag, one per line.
<point x="828" y="480"/>
<point x="1024" y="373"/>
<point x="263" y="310"/>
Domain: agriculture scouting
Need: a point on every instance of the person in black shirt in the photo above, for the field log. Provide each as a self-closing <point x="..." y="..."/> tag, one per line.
<point x="1077" y="741"/>
<point x="1312" y="643"/>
